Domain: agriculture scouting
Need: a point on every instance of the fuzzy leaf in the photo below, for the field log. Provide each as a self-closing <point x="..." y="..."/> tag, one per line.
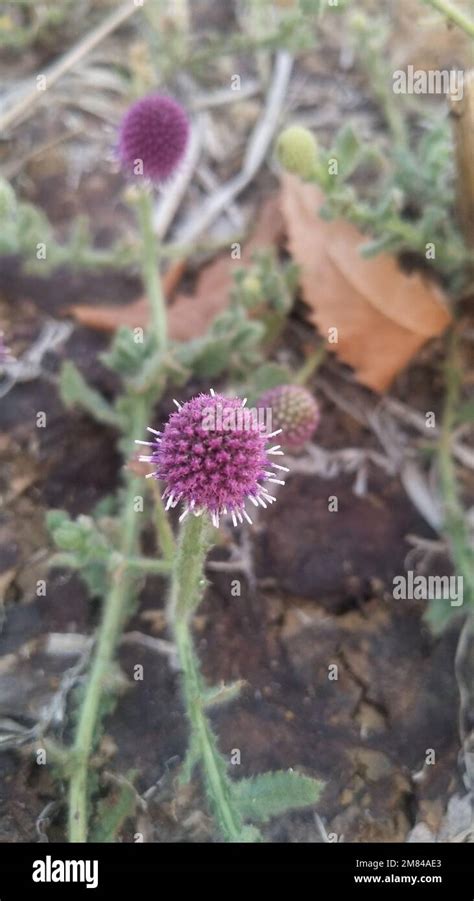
<point x="439" y="614"/>
<point x="269" y="375"/>
<point x="222" y="694"/>
<point x="271" y="794"/>
<point x="76" y="392"/>
<point x="348" y="151"/>
<point x="466" y="412"/>
<point x="55" y="519"/>
<point x="111" y="814"/>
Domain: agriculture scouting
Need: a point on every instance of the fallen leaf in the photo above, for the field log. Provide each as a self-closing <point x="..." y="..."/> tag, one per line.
<point x="382" y="315"/>
<point x="190" y="315"/>
<point x="132" y="315"/>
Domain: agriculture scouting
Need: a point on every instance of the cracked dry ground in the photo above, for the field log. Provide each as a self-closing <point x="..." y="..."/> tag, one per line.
<point x="322" y="597"/>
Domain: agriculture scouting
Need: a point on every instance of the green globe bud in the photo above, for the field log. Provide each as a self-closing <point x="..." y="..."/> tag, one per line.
<point x="297" y="150"/>
<point x="252" y="287"/>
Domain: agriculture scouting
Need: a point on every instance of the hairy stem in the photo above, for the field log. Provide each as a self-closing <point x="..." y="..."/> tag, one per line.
<point x="147" y="565"/>
<point x="116" y="607"/>
<point x="151" y="275"/>
<point x="453" y="14"/>
<point x="454" y="517"/>
<point x="311" y="365"/>
<point x="186" y="592"/>
<point x="164" y="532"/>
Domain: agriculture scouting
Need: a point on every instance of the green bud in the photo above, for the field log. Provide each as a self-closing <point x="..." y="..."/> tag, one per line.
<point x="252" y="287"/>
<point x="297" y="150"/>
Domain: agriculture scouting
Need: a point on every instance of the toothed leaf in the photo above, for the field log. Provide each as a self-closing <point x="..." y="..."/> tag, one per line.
<point x="271" y="794"/>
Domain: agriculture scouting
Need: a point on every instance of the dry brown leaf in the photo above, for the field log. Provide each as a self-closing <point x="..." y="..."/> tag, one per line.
<point x="189" y="316"/>
<point x="132" y="315"/>
<point x="383" y="316"/>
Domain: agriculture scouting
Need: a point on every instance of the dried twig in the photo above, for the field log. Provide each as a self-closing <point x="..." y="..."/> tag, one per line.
<point x="30" y="94"/>
<point x="256" y="151"/>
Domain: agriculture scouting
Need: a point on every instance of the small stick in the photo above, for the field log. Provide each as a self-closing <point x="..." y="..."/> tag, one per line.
<point x="54" y="72"/>
<point x="463" y="124"/>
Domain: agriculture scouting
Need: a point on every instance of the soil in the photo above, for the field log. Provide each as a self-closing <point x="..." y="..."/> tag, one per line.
<point x="319" y="603"/>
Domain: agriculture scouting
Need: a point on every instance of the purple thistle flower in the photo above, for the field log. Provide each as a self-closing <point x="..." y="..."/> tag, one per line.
<point x="154" y="132"/>
<point x="212" y="455"/>
<point x="295" y="411"/>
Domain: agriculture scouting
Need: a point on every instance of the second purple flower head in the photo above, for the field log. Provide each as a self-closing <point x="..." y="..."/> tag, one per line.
<point x="153" y="137"/>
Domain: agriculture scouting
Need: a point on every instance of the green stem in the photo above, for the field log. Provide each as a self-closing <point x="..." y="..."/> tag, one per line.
<point x="148" y="565"/>
<point x="114" y="613"/>
<point x="454" y="517"/>
<point x="453" y="14"/>
<point x="186" y="592"/>
<point x="164" y="531"/>
<point x="310" y="366"/>
<point x="151" y="274"/>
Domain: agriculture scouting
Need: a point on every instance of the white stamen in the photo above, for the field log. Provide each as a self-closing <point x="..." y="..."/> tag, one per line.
<point x="153" y="431"/>
<point x="184" y="513"/>
<point x="268" y="497"/>
<point x="146" y="459"/>
<point x="283" y="468"/>
<point x="239" y="516"/>
<point x="273" y="449"/>
<point x="276" y="481"/>
<point x="177" y="403"/>
<point x="233" y="518"/>
<point x="148" y="443"/>
<point x="276" y="453"/>
<point x="169" y="502"/>
<point x="272" y="434"/>
<point x="261" y="502"/>
<point x="150" y="475"/>
<point x="244" y="401"/>
<point x="212" y="393"/>
<point x="247" y="517"/>
<point x="253" y="499"/>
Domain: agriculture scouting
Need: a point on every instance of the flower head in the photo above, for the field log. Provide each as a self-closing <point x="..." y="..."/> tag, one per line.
<point x="153" y="137"/>
<point x="295" y="411"/>
<point x="213" y="456"/>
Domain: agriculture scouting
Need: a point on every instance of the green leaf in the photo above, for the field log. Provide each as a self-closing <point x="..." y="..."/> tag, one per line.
<point x="129" y="351"/>
<point x="222" y="694"/>
<point x="271" y="794"/>
<point x="269" y="375"/>
<point x="378" y="245"/>
<point x="55" y="519"/>
<point x="75" y="391"/>
<point x="439" y="614"/>
<point x="111" y="813"/>
<point x="466" y="412"/>
<point x="347" y="151"/>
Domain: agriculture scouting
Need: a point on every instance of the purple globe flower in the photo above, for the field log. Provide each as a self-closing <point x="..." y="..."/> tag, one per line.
<point x="153" y="137"/>
<point x="295" y="411"/>
<point x="212" y="455"/>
